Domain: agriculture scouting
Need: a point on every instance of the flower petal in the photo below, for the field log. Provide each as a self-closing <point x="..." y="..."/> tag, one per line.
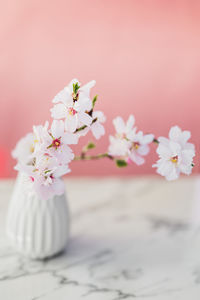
<point x="84" y="118"/>
<point x="143" y="150"/>
<point x="136" y="158"/>
<point x="99" y="115"/>
<point x="119" y="125"/>
<point x="147" y="139"/>
<point x="64" y="96"/>
<point x="97" y="130"/>
<point x="86" y="88"/>
<point x="70" y="138"/>
<point x="163" y="151"/>
<point x="57" y="128"/>
<point x="71" y="122"/>
<point x="130" y="123"/>
<point x="174" y="133"/>
<point x="59" y="111"/>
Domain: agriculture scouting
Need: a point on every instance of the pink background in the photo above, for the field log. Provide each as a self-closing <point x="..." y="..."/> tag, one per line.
<point x="144" y="55"/>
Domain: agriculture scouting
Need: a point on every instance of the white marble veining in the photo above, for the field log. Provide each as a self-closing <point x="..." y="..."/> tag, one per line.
<point x="130" y="238"/>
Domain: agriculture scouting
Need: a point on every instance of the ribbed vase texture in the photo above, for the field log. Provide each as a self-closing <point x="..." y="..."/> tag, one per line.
<point x="37" y="228"/>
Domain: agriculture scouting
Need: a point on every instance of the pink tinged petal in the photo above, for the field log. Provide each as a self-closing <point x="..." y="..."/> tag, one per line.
<point x="97" y="130"/>
<point x="83" y="104"/>
<point x="63" y="96"/>
<point x="164" y="167"/>
<point x="143" y="150"/>
<point x="187" y="156"/>
<point x="147" y="139"/>
<point x="86" y="88"/>
<point x="57" y="128"/>
<point x="175" y="133"/>
<point x="163" y="141"/>
<point x="43" y="191"/>
<point x="84" y="118"/>
<point x="186" y="169"/>
<point x="186" y="135"/>
<point x="99" y="115"/>
<point x="58" y="187"/>
<point x="71" y="122"/>
<point x="163" y="151"/>
<point x="64" y="154"/>
<point x="119" y="125"/>
<point x="70" y="138"/>
<point x="130" y="123"/>
<point x="59" y="111"/>
<point x="61" y="170"/>
<point x="118" y="147"/>
<point x="173" y="175"/>
<point x="175" y="148"/>
<point x="131" y="135"/>
<point x="189" y="146"/>
<point x="46" y="125"/>
<point x="136" y="158"/>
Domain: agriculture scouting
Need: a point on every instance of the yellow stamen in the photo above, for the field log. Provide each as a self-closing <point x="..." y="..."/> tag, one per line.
<point x="174" y="159"/>
<point x="32" y="149"/>
<point x="136" y="145"/>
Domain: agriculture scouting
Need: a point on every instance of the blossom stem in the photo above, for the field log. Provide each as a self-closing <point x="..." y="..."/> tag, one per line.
<point x="93" y="157"/>
<point x="155" y="141"/>
<point x="85" y="126"/>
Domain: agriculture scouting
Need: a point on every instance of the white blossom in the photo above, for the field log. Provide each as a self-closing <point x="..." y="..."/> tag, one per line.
<point x="73" y="108"/>
<point x="140" y="147"/>
<point x="128" y="143"/>
<point x="175" y="154"/>
<point x="24" y="148"/>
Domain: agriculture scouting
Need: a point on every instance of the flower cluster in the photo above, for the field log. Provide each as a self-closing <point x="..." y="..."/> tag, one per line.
<point x="176" y="154"/>
<point x="128" y="143"/>
<point x="45" y="153"/>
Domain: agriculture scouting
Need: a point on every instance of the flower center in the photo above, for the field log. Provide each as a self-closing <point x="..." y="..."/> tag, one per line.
<point x="75" y="96"/>
<point x="136" y="145"/>
<point x="56" y="143"/>
<point x="32" y="148"/>
<point x="174" y="159"/>
<point x="121" y="135"/>
<point x="72" y="111"/>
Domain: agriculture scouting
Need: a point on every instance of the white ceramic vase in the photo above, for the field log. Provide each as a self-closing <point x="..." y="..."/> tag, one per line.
<point x="37" y="228"/>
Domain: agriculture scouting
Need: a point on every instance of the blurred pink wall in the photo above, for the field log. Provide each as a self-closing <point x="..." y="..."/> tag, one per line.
<point x="144" y="55"/>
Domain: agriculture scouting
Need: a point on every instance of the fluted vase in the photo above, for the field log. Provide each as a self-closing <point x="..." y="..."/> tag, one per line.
<point x="36" y="227"/>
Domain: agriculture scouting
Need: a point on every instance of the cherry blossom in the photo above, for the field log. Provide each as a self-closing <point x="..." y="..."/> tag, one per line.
<point x="96" y="126"/>
<point x="118" y="146"/>
<point x="140" y="147"/>
<point x="57" y="141"/>
<point x="124" y="130"/>
<point x="24" y="148"/>
<point x="45" y="175"/>
<point x="44" y="154"/>
<point x="73" y="104"/>
<point x="128" y="143"/>
<point x="175" y="154"/>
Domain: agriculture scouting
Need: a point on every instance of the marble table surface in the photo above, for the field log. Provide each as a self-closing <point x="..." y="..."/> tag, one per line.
<point x="130" y="238"/>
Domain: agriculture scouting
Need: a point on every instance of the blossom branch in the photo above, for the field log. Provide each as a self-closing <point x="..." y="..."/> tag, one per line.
<point x="93" y="157"/>
<point x="45" y="153"/>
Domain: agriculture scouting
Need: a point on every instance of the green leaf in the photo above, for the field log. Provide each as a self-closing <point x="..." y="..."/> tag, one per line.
<point x="76" y="87"/>
<point x="94" y="101"/>
<point x="121" y="163"/>
<point x="91" y="145"/>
